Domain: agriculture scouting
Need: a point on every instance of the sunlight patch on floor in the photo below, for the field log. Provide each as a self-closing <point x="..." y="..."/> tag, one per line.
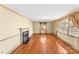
<point x="43" y="39"/>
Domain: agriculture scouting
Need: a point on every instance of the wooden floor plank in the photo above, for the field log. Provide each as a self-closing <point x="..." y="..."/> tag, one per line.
<point x="45" y="44"/>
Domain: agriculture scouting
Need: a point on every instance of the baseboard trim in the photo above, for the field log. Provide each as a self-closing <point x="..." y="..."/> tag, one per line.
<point x="9" y="52"/>
<point x="43" y="34"/>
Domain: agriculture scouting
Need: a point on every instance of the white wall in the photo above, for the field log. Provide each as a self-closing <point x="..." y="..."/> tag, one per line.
<point x="10" y="23"/>
<point x="49" y="27"/>
<point x="36" y="27"/>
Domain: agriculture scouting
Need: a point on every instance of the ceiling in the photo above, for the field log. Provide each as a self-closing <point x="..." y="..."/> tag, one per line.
<point x="43" y="12"/>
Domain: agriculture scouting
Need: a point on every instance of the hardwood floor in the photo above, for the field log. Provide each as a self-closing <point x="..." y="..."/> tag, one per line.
<point x="45" y="44"/>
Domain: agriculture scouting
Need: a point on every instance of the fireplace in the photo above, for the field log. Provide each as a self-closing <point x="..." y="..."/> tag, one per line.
<point x="25" y="37"/>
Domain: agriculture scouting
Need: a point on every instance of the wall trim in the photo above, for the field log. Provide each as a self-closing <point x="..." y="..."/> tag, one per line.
<point x="9" y="37"/>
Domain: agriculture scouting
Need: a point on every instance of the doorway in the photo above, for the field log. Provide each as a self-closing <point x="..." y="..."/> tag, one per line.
<point x="43" y="27"/>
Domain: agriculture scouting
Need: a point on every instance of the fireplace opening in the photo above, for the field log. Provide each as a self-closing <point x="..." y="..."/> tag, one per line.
<point x="25" y="36"/>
